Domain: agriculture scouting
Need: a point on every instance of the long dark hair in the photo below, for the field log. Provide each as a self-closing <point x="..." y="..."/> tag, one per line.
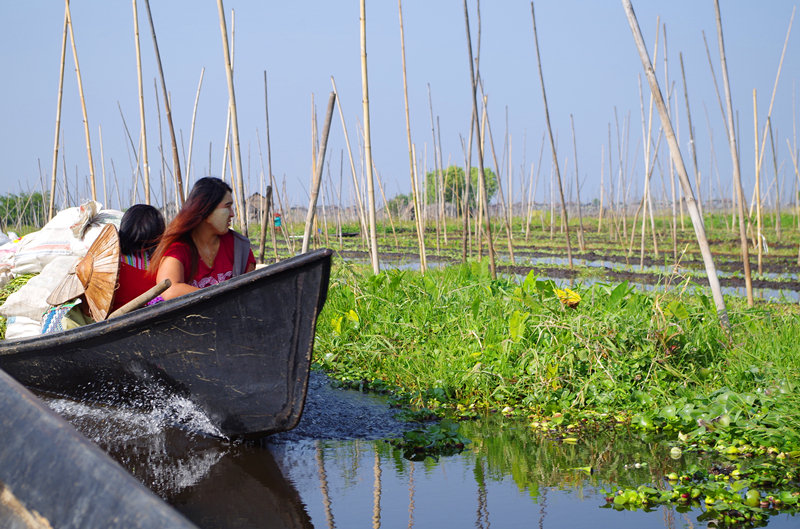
<point x="206" y="194"/>
<point x="141" y="229"/>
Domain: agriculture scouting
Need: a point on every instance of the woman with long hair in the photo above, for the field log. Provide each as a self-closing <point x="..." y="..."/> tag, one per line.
<point x="199" y="249"/>
<point x="139" y="233"/>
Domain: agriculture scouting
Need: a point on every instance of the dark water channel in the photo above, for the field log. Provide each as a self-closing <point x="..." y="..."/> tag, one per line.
<point x="335" y="470"/>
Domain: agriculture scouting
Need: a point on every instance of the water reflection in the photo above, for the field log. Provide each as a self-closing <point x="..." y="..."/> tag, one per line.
<point x="509" y="476"/>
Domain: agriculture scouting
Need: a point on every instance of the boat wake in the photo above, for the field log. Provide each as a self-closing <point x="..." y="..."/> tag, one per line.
<point x="169" y="446"/>
<point x="107" y="424"/>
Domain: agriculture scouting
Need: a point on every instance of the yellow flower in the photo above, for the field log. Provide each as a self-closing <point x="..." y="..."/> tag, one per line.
<point x="568" y="297"/>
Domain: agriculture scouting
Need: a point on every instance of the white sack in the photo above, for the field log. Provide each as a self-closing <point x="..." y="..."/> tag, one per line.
<point x="20" y="327"/>
<point x="30" y="301"/>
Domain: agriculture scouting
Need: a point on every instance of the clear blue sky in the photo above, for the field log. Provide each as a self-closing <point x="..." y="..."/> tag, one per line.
<point x="588" y="55"/>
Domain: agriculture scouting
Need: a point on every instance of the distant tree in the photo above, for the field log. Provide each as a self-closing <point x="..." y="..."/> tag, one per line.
<point x="18" y="211"/>
<point x="454" y="185"/>
<point x="398" y="203"/>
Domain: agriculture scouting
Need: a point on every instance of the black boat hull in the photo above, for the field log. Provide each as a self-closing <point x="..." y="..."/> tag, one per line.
<point x="240" y="350"/>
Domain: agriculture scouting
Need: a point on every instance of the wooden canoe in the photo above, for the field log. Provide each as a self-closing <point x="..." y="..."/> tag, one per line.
<point x="52" y="476"/>
<point x="240" y="350"/>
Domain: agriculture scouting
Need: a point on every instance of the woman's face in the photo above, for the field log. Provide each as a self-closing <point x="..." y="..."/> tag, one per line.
<point x="220" y="218"/>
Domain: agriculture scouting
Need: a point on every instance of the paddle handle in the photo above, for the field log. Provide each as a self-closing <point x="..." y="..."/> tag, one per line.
<point x="142" y="300"/>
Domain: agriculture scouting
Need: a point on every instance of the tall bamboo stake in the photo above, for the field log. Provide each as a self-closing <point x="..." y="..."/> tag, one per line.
<point x="191" y="133"/>
<point x="481" y="175"/>
<point x="373" y="235"/>
<point x="757" y="194"/>
<point x="737" y="179"/>
<point x="315" y="185"/>
<point x="552" y="142"/>
<point x="694" y="211"/>
<point x="441" y="183"/>
<point x="797" y="177"/>
<point x="437" y="175"/>
<point x="103" y="166"/>
<point x="602" y="189"/>
<point x="777" y="187"/>
<point x="581" y="242"/>
<point x="234" y="117"/>
<point x="417" y="205"/>
<point x="264" y="220"/>
<point x="51" y="209"/>
<point x="269" y="171"/>
<point x="360" y="204"/>
<point x="385" y="208"/>
<point x="503" y="206"/>
<point x="466" y="241"/>
<point x="167" y="106"/>
<point x="143" y="130"/>
<point x="83" y="102"/>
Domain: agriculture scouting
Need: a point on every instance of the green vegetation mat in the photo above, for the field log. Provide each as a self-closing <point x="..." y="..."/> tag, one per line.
<point x="454" y="340"/>
<point x="662" y="361"/>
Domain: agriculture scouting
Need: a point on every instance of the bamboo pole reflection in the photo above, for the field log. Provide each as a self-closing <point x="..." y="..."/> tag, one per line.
<point x="542" y="511"/>
<point x="411" y="495"/>
<point x="483" y="510"/>
<point x="323" y="485"/>
<point x="376" y="511"/>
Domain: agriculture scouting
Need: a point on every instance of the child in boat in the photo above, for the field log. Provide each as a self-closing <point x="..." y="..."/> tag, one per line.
<point x="140" y="231"/>
<point x="198" y="248"/>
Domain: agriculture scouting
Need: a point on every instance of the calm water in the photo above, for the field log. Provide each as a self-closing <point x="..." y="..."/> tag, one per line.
<point x="508" y="477"/>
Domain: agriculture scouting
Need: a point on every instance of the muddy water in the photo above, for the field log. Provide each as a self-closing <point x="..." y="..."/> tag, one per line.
<point x="335" y="470"/>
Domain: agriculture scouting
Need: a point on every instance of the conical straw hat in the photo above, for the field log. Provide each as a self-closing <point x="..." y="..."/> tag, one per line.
<point x="98" y="272"/>
<point x="69" y="288"/>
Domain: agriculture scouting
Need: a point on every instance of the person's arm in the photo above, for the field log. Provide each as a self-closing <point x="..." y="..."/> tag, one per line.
<point x="172" y="269"/>
<point x="251" y="262"/>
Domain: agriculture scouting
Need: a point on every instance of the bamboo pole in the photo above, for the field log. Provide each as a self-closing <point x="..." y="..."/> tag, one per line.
<point x="191" y="133"/>
<point x="552" y="143"/>
<point x="581" y="242"/>
<point x="83" y="102"/>
<point x="269" y="171"/>
<point x="737" y="179"/>
<point x="164" y="192"/>
<point x="324" y="213"/>
<point x="315" y="184"/>
<point x="777" y="187"/>
<point x="796" y="174"/>
<point x="368" y="141"/>
<point x="466" y="241"/>
<point x="360" y="204"/>
<point x="234" y="118"/>
<point x="602" y="188"/>
<point x="103" y="166"/>
<point x="481" y="175"/>
<point x="504" y="208"/>
<point x="437" y="173"/>
<point x="694" y="211"/>
<point x="143" y="130"/>
<point x="167" y="106"/>
<point x="757" y="194"/>
<point x="264" y="223"/>
<point x="289" y="242"/>
<point x="51" y="209"/>
<point x="532" y="201"/>
<point x="441" y="183"/>
<point x="385" y="208"/>
<point x="411" y="161"/>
